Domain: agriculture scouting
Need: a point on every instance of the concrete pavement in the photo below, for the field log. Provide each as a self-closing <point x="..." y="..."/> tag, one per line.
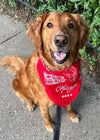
<point x="16" y="122"/>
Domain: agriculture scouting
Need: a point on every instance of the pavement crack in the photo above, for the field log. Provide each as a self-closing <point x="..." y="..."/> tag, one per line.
<point x="11" y="37"/>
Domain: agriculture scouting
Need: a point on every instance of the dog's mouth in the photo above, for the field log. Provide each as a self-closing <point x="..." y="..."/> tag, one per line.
<point x="60" y="56"/>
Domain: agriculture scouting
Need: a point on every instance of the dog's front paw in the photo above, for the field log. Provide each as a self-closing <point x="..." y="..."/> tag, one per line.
<point x="30" y="106"/>
<point x="49" y="126"/>
<point x="74" y="117"/>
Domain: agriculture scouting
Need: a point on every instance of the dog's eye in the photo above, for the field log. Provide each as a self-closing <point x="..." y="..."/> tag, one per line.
<point x="71" y="25"/>
<point x="49" y="25"/>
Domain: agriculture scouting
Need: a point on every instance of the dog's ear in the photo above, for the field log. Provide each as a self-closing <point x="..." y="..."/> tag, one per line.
<point x="83" y="30"/>
<point x="35" y="31"/>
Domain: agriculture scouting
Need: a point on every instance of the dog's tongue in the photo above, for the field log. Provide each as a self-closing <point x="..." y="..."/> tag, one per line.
<point x="59" y="55"/>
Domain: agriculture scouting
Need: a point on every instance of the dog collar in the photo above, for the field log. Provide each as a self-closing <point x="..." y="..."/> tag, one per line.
<point x="62" y="87"/>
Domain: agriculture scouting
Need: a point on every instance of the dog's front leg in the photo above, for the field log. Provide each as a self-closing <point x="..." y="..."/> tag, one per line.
<point x="72" y="115"/>
<point x="48" y="122"/>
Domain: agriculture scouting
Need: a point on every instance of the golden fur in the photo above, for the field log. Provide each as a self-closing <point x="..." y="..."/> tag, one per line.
<point x="27" y="83"/>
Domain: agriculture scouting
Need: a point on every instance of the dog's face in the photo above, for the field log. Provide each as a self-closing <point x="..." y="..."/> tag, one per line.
<point x="59" y="35"/>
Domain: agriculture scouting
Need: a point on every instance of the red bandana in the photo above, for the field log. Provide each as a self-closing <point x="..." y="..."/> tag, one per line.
<point x="62" y="87"/>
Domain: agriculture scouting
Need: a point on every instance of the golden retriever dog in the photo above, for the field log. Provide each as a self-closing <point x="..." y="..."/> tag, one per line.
<point x="52" y="34"/>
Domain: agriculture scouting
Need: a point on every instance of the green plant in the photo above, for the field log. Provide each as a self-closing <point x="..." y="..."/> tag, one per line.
<point x="11" y="2"/>
<point x="83" y="52"/>
<point x="91" y="58"/>
<point x="50" y="6"/>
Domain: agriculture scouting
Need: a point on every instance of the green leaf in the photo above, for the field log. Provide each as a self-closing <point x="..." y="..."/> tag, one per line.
<point x="96" y="10"/>
<point x="74" y="1"/>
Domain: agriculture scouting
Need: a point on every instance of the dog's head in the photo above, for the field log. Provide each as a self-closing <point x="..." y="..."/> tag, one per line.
<point x="59" y="35"/>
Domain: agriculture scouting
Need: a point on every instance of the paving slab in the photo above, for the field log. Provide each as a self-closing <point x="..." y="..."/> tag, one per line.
<point x="16" y="122"/>
<point x="9" y="28"/>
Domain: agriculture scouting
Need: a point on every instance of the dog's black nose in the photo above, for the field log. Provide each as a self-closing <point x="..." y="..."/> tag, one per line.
<point x="60" y="40"/>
